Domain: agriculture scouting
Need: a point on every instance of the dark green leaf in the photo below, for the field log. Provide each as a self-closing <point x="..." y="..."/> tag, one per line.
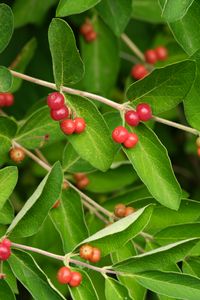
<point x="21" y="62"/>
<point x="5" y="291"/>
<point x="116" y="235"/>
<point x="6" y="25"/>
<point x="8" y="180"/>
<point x="165" y="87"/>
<point x="175" y="10"/>
<point x="115" y="13"/>
<point x="68" y="219"/>
<point x="34" y="212"/>
<point x="67" y="64"/>
<point x="8" y="127"/>
<point x="6" y="213"/>
<point x="5" y="79"/>
<point x="101" y="59"/>
<point x="115" y="290"/>
<point x="31" y="276"/>
<point x="147" y="10"/>
<point x="152" y="164"/>
<point x="94" y="144"/>
<point x="71" y="7"/>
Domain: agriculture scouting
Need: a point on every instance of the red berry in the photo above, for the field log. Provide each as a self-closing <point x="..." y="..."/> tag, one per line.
<point x="86" y="28"/>
<point x="64" y="275"/>
<point x="67" y="126"/>
<point x="79" y="176"/>
<point x="55" y="100"/>
<point x="144" y="111"/>
<point x="139" y="71"/>
<point x="161" y="53"/>
<point x="198" y="152"/>
<point x="2" y="99"/>
<point x="132" y="118"/>
<point x="151" y="56"/>
<point x="96" y="255"/>
<point x="131" y="141"/>
<point x="90" y="36"/>
<point x="86" y="251"/>
<point x="17" y="154"/>
<point x="4" y="252"/>
<point x="6" y="243"/>
<point x="119" y="210"/>
<point x="81" y="184"/>
<point x="56" y="204"/>
<point x="59" y="114"/>
<point x="75" y="279"/>
<point x="120" y="134"/>
<point x="79" y="125"/>
<point x="129" y="211"/>
<point x="9" y="99"/>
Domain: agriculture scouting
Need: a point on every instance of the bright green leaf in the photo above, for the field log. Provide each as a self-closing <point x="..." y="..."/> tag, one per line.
<point x="175" y="10"/>
<point x="6" y="25"/>
<point x="67" y="64"/>
<point x="191" y="265"/>
<point x="5" y="79"/>
<point x="165" y="87"/>
<point x="6" y="213"/>
<point x="71" y="7"/>
<point x="34" y="212"/>
<point x="8" y="180"/>
<point x="115" y="290"/>
<point x="147" y="10"/>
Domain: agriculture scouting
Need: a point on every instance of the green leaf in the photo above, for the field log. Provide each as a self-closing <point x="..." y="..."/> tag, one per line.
<point x="8" y="180"/>
<point x="21" y="62"/>
<point x="6" y="25"/>
<point x="5" y="291"/>
<point x="101" y="59"/>
<point x="177" y="233"/>
<point x="34" y="212"/>
<point x="7" y="131"/>
<point x="31" y="11"/>
<point x="116" y="235"/>
<point x="67" y="64"/>
<point x="6" y="213"/>
<point x="85" y="290"/>
<point x="96" y="137"/>
<point x="5" y="79"/>
<point x="68" y="219"/>
<point x="71" y="7"/>
<point x="115" y="13"/>
<point x="115" y="290"/>
<point x="175" y="10"/>
<point x="10" y="278"/>
<point x="157" y="259"/>
<point x="147" y="10"/>
<point x="32" y="133"/>
<point x="31" y="276"/>
<point x="171" y="284"/>
<point x="191" y="101"/>
<point x="112" y="180"/>
<point x="165" y="87"/>
<point x="183" y="29"/>
<point x="72" y="162"/>
<point x="152" y="164"/>
<point x="192" y="266"/>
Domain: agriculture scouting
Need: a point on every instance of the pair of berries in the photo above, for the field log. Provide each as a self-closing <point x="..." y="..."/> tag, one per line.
<point x="154" y="55"/>
<point x="60" y="112"/>
<point x="121" y="135"/>
<point x="88" y="32"/>
<point x="5" y="251"/>
<point x="198" y="146"/>
<point x="6" y="99"/>
<point x="122" y="211"/>
<point x="139" y="71"/>
<point x="17" y="154"/>
<point x="81" y="180"/>
<point x="90" y="253"/>
<point x="66" y="276"/>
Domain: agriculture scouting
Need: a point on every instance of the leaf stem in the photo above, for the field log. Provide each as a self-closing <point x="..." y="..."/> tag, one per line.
<point x="132" y="46"/>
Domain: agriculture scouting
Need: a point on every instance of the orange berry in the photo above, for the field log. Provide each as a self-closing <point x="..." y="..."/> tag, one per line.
<point x="119" y="210"/>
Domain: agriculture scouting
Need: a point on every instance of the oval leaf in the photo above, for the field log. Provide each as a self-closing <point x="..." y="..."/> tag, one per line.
<point x="71" y="7"/>
<point x="67" y="65"/>
<point x="115" y="290"/>
<point x="6" y="79"/>
<point x="165" y="87"/>
<point x="5" y="291"/>
<point x="8" y="180"/>
<point x="175" y="10"/>
<point x="152" y="164"/>
<point x="147" y="10"/>
<point x="6" y="25"/>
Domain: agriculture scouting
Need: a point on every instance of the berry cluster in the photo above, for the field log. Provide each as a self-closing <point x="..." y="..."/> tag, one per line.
<point x="60" y="112"/>
<point x="81" y="180"/>
<point x="5" y="251"/>
<point x="122" y="211"/>
<point x="17" y="154"/>
<point x="6" y="99"/>
<point x="121" y="135"/>
<point x="90" y="253"/>
<point x="198" y="146"/>
<point x="139" y="71"/>
<point x="88" y="32"/>
<point x="66" y="276"/>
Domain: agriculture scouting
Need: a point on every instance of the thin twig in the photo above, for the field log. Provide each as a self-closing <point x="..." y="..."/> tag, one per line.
<point x="41" y="156"/>
<point x="132" y="46"/>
